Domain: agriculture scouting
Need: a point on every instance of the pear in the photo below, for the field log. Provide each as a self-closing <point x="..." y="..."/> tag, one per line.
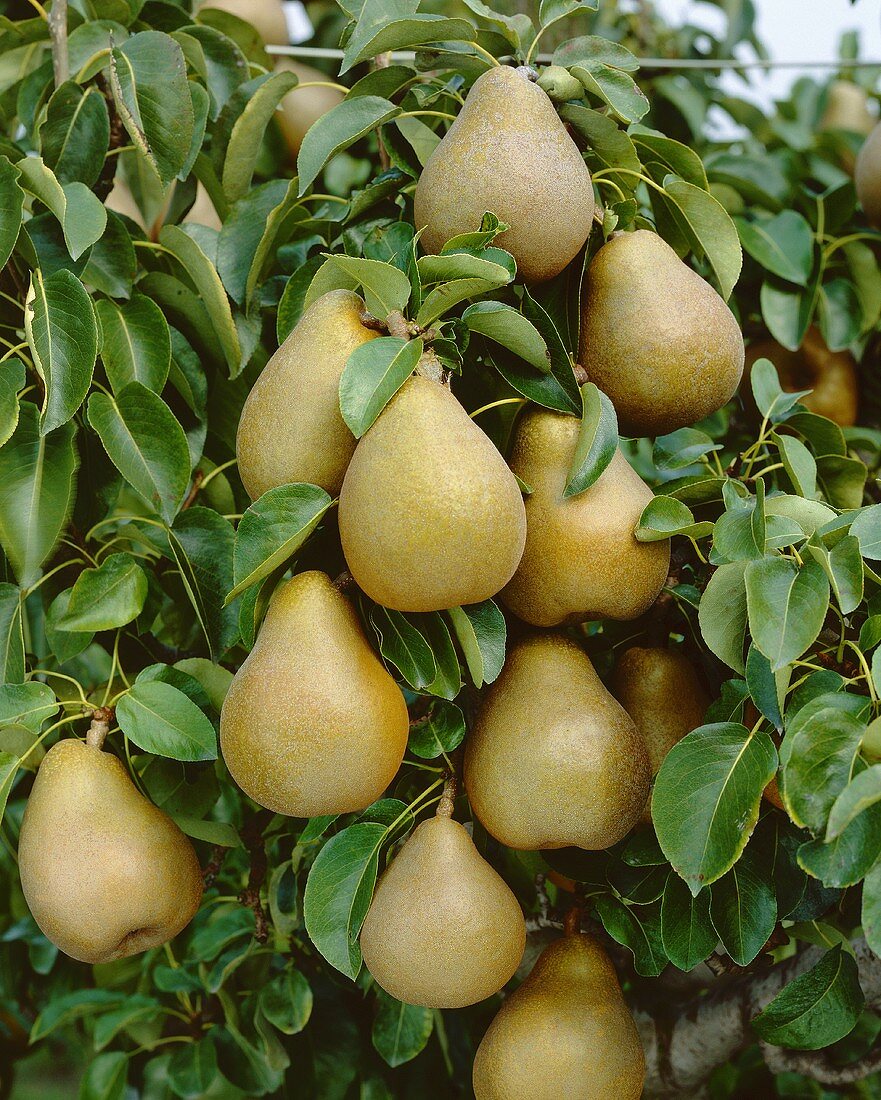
<point x="443" y="929"/>
<point x="656" y="337"/>
<point x="312" y="722"/>
<point x="847" y="108"/>
<point x="509" y="153"/>
<point x="430" y="515"/>
<point x="265" y="16"/>
<point x="303" y="106"/>
<point x="565" y="1032"/>
<point x="202" y="211"/>
<point x="661" y="692"/>
<point x="831" y="376"/>
<point x="581" y="560"/>
<point x="868" y="177"/>
<point x="553" y="760"/>
<point x="105" y="873"/>
<point x="291" y="428"/>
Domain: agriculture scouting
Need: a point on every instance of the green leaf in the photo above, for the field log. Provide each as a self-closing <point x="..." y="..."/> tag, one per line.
<point x="27" y="705"/>
<point x="597" y="441"/>
<point x="75" y="133"/>
<point x="787" y="606"/>
<point x="708" y="229"/>
<point x="638" y="928"/>
<point x="161" y="719"/>
<point x="136" y="1009"/>
<point x="861" y="793"/>
<point x="260" y="96"/>
<point x="146" y="444"/>
<point x="36" y="492"/>
<point x="723" y="614"/>
<point x="193" y="1069"/>
<point x="11" y="204"/>
<point x="202" y="542"/>
<point x="666" y="516"/>
<point x="207" y="282"/>
<point x="404" y="645"/>
<point x="148" y="75"/>
<point x="508" y="327"/>
<point x="480" y="629"/>
<point x="8" y="767"/>
<point x="106" y="1077"/>
<point x="706" y="799"/>
<point x="80" y="212"/>
<point x="788" y="309"/>
<point x="386" y="288"/>
<point x="815" y="1009"/>
<point x="772" y="402"/>
<point x="447" y="295"/>
<point x="613" y="87"/>
<point x="743" y="906"/>
<point x="799" y="464"/>
<point x="63" y="337"/>
<point x="286" y="1002"/>
<point x="380" y="30"/>
<point x="871" y="911"/>
<point x="682" y="448"/>
<point x="272" y="529"/>
<point x="373" y="374"/>
<point x="843" y="566"/>
<point x="68" y="1007"/>
<point x="400" y="1031"/>
<point x="12" y="380"/>
<point x="817" y="758"/>
<point x="338" y="894"/>
<point x="866" y="527"/>
<point x="440" y="731"/>
<point x="339" y="128"/>
<point x="107" y="597"/>
<point x="783" y="244"/>
<point x="687" y="931"/>
<point x="136" y="343"/>
<point x="12" y="667"/>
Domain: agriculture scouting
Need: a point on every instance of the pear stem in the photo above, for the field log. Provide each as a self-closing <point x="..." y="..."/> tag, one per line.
<point x="99" y="728"/>
<point x="572" y="921"/>
<point x="448" y="797"/>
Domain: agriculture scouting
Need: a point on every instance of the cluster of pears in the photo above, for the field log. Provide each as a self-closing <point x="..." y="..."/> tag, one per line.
<point x="106" y="874"/>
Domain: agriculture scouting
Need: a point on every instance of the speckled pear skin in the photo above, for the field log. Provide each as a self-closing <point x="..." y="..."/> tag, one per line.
<point x="655" y="336"/>
<point x="291" y="428"/>
<point x="302" y="107"/>
<point x="430" y="516"/>
<point x="868" y="177"/>
<point x="847" y="108"/>
<point x="553" y="759"/>
<point x="581" y="560"/>
<point x="444" y="929"/>
<point x="831" y="376"/>
<point x="105" y="873"/>
<point x="565" y="1032"/>
<point x="660" y="690"/>
<point x="508" y="152"/>
<point x="312" y="722"/>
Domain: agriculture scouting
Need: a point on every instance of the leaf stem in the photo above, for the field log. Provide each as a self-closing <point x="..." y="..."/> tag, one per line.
<point x="497" y="404"/>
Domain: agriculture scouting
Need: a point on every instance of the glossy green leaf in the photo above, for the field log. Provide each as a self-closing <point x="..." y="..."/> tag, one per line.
<point x="202" y="543"/>
<point x="337" y="130"/>
<point x="107" y="597"/>
<point x="373" y="374"/>
<point x="507" y="326"/>
<point x="597" y="441"/>
<point x="400" y="1031"/>
<point x="136" y="343"/>
<point x="260" y="98"/>
<point x="783" y="244"/>
<point x="787" y="606"/>
<point x="723" y="614"/>
<point x="480" y="630"/>
<point x="743" y="906"/>
<point x="12" y="666"/>
<point x="161" y="719"/>
<point x="687" y="931"/>
<point x="75" y="133"/>
<point x="11" y="203"/>
<point x="286" y="1001"/>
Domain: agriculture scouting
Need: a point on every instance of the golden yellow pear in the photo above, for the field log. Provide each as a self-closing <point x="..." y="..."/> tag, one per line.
<point x="303" y="106"/>
<point x="430" y="515"/>
<point x="105" y="873"/>
<point x="312" y="722"/>
<point x="847" y="108"/>
<point x="660" y="690"/>
<point x="443" y="929"/>
<point x="553" y="759"/>
<point x="565" y="1034"/>
<point x="265" y="16"/>
<point x="867" y="177"/>
<point x="509" y="153"/>
<point x="831" y="376"/>
<point x="656" y="337"/>
<point x="581" y="560"/>
<point x="291" y="428"/>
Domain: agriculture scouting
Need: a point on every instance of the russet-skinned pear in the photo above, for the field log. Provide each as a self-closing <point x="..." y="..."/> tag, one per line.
<point x="105" y="873"/>
<point x="312" y="722"/>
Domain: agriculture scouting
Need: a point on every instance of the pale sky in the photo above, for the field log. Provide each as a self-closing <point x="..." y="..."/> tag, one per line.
<point x="792" y="30"/>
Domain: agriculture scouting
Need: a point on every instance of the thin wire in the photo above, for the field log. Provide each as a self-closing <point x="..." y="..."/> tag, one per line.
<point x="644" y="63"/>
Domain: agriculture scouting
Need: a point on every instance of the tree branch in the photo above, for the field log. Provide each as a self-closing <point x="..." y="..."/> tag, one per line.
<point x="58" y="34"/>
<point x="683" y="1047"/>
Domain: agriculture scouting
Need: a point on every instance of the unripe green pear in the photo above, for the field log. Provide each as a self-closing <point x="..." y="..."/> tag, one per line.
<point x="553" y="759"/>
<point x="582" y="560"/>
<point x="559" y="84"/>
<point x="312" y="722"/>
<point x="443" y="929"/>
<point x="291" y="428"/>
<point x="105" y="873"/>
<point x="566" y="1032"/>
<point x="655" y="336"/>
<point x="430" y="515"/>
<point x="509" y="153"/>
